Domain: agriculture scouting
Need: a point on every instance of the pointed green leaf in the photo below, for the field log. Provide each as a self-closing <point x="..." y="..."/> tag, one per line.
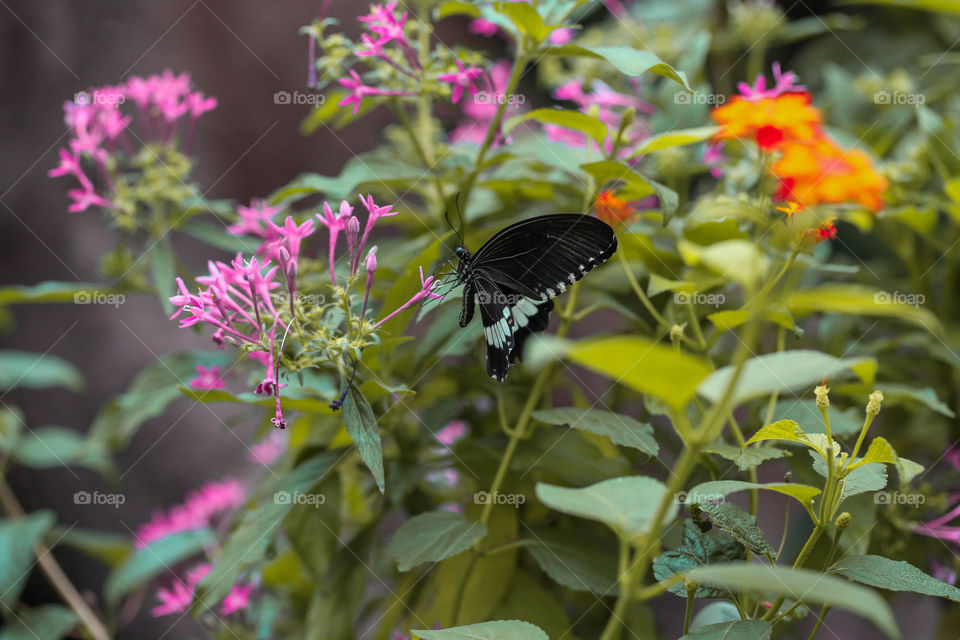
<point x="676" y="138"/>
<point x="747" y="457"/>
<point x="37" y="371"/>
<point x="645" y="366"/>
<point x="497" y="630"/>
<point x="879" y="451"/>
<point x="716" y="490"/>
<point x="433" y="536"/>
<point x="48" y="622"/>
<point x="877" y="571"/>
<point x="17" y="537"/>
<point x="739" y="524"/>
<point x="622" y="430"/>
<point x="907" y="470"/>
<point x="783" y="371"/>
<point x="626" y="505"/>
<point x="362" y="426"/>
<point x="629" y="61"/>
<point x="577" y="560"/>
<point x="575" y="120"/>
<point x="859" y="301"/>
<point x="738" y="630"/>
<point x="781" y="430"/>
<point x="803" y="585"/>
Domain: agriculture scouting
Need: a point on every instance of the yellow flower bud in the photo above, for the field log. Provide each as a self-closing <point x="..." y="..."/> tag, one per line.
<point x="876" y="399"/>
<point x="843" y="521"/>
<point x="823" y="399"/>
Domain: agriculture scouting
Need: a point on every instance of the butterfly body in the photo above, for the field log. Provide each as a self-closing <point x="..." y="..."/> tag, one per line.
<point x="514" y="277"/>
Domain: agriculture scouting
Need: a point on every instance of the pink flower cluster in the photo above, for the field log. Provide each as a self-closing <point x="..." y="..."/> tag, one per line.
<point x="940" y="527"/>
<point x="179" y="595"/>
<point x="236" y="298"/>
<point x="783" y="82"/>
<point x="199" y="510"/>
<point x="99" y="126"/>
<point x="480" y="113"/>
<point x="609" y="106"/>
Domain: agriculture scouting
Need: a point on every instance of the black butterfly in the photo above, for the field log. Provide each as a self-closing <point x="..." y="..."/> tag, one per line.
<point x="517" y="273"/>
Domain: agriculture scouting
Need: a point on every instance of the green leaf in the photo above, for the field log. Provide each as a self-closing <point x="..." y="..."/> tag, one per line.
<point x="626" y="505"/>
<point x="879" y="451"/>
<point x="739" y="524"/>
<point x="108" y="547"/>
<point x="622" y="430"/>
<point x="907" y="470"/>
<point x="738" y="630"/>
<point x="927" y="397"/>
<point x="525" y="18"/>
<point x="288" y="401"/>
<point x="577" y="560"/>
<point x="677" y="138"/>
<point x="737" y="260"/>
<point x="163" y="271"/>
<point x="803" y="585"/>
<point x="455" y="8"/>
<point x="50" y="291"/>
<point x="877" y="571"/>
<point x="647" y="367"/>
<point x="872" y="477"/>
<point x="698" y="549"/>
<point x="531" y="601"/>
<point x="433" y="536"/>
<point x="858" y="300"/>
<point x="633" y="185"/>
<point x="574" y="120"/>
<point x="498" y="630"/>
<point x="251" y="538"/>
<point x="747" y="457"/>
<point x="153" y="560"/>
<point x="52" y="447"/>
<point x="37" y="371"/>
<point x="717" y="490"/>
<point x="782" y="430"/>
<point x="17" y="537"/>
<point x="629" y="61"/>
<point x="783" y="371"/>
<point x="362" y="426"/>
<point x="48" y="622"/>
<point x="843" y="422"/>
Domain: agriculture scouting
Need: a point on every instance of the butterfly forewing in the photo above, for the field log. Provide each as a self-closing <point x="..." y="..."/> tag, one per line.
<point x="514" y="277"/>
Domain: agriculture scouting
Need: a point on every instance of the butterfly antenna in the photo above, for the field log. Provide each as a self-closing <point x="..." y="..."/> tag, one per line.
<point x="338" y="403"/>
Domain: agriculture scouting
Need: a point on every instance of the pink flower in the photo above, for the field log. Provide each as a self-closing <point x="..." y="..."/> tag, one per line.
<point x="374" y="213"/>
<point x="85" y="198"/>
<point x="461" y="80"/>
<point x="783" y="83"/>
<point x="483" y="27"/>
<point x="293" y="234"/>
<point x="426" y="291"/>
<point x="359" y="91"/>
<point x="335" y="224"/>
<point x="561" y="36"/>
<point x="713" y="157"/>
<point x="253" y="218"/>
<point x="178" y="597"/>
<point x="207" y="378"/>
<point x="198" y="510"/>
<point x="268" y="450"/>
<point x="384" y="23"/>
<point x="451" y="433"/>
<point x="480" y="113"/>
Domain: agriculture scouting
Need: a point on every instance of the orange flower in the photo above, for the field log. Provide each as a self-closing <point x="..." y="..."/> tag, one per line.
<point x="612" y="209"/>
<point x="819" y="172"/>
<point x="771" y="122"/>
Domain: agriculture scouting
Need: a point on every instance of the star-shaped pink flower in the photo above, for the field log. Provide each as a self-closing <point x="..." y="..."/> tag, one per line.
<point x="461" y="80"/>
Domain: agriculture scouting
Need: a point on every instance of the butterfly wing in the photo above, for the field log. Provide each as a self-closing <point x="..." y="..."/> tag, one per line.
<point x="498" y="326"/>
<point x="542" y="256"/>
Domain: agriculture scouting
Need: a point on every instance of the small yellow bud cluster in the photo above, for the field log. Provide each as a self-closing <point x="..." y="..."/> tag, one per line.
<point x="823" y="399"/>
<point x="876" y="399"/>
<point x="843" y="521"/>
<point x="676" y="333"/>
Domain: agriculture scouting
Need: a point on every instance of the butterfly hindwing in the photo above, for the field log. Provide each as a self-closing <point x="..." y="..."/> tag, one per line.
<point x="498" y="326"/>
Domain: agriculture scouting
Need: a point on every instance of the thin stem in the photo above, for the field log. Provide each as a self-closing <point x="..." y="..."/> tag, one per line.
<point x="823" y="614"/>
<point x="688" y="613"/>
<point x="863" y="434"/>
<point x="645" y="301"/>
<point x="55" y="574"/>
<point x="612" y="630"/>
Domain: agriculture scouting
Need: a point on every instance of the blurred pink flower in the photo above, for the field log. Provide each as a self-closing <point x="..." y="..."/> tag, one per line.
<point x="561" y="36"/>
<point x="454" y="430"/>
<point x="713" y="157"/>
<point x="783" y="83"/>
<point x="463" y="79"/>
<point x="255" y="220"/>
<point x="207" y="378"/>
<point x="178" y="597"/>
<point x="479" y="113"/>
<point x="426" y="291"/>
<point x="268" y="450"/>
<point x="359" y="91"/>
<point x="198" y="510"/>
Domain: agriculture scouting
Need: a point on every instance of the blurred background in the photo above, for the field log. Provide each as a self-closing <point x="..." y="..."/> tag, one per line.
<point x="241" y="52"/>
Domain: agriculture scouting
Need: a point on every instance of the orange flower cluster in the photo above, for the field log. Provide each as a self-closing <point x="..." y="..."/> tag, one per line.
<point x="810" y="166"/>
<point x="611" y="209"/>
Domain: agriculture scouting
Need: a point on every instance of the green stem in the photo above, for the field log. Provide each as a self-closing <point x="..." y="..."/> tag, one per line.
<point x="626" y="573"/>
<point x="645" y="301"/>
<point x="688" y="613"/>
<point x="863" y="434"/>
<point x="816" y="627"/>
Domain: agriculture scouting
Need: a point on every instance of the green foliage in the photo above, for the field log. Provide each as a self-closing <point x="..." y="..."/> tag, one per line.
<point x="17" y="537"/>
<point x="698" y="549"/>
<point x="877" y="571"/>
<point x="37" y="371"/>
<point x="431" y="537"/>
